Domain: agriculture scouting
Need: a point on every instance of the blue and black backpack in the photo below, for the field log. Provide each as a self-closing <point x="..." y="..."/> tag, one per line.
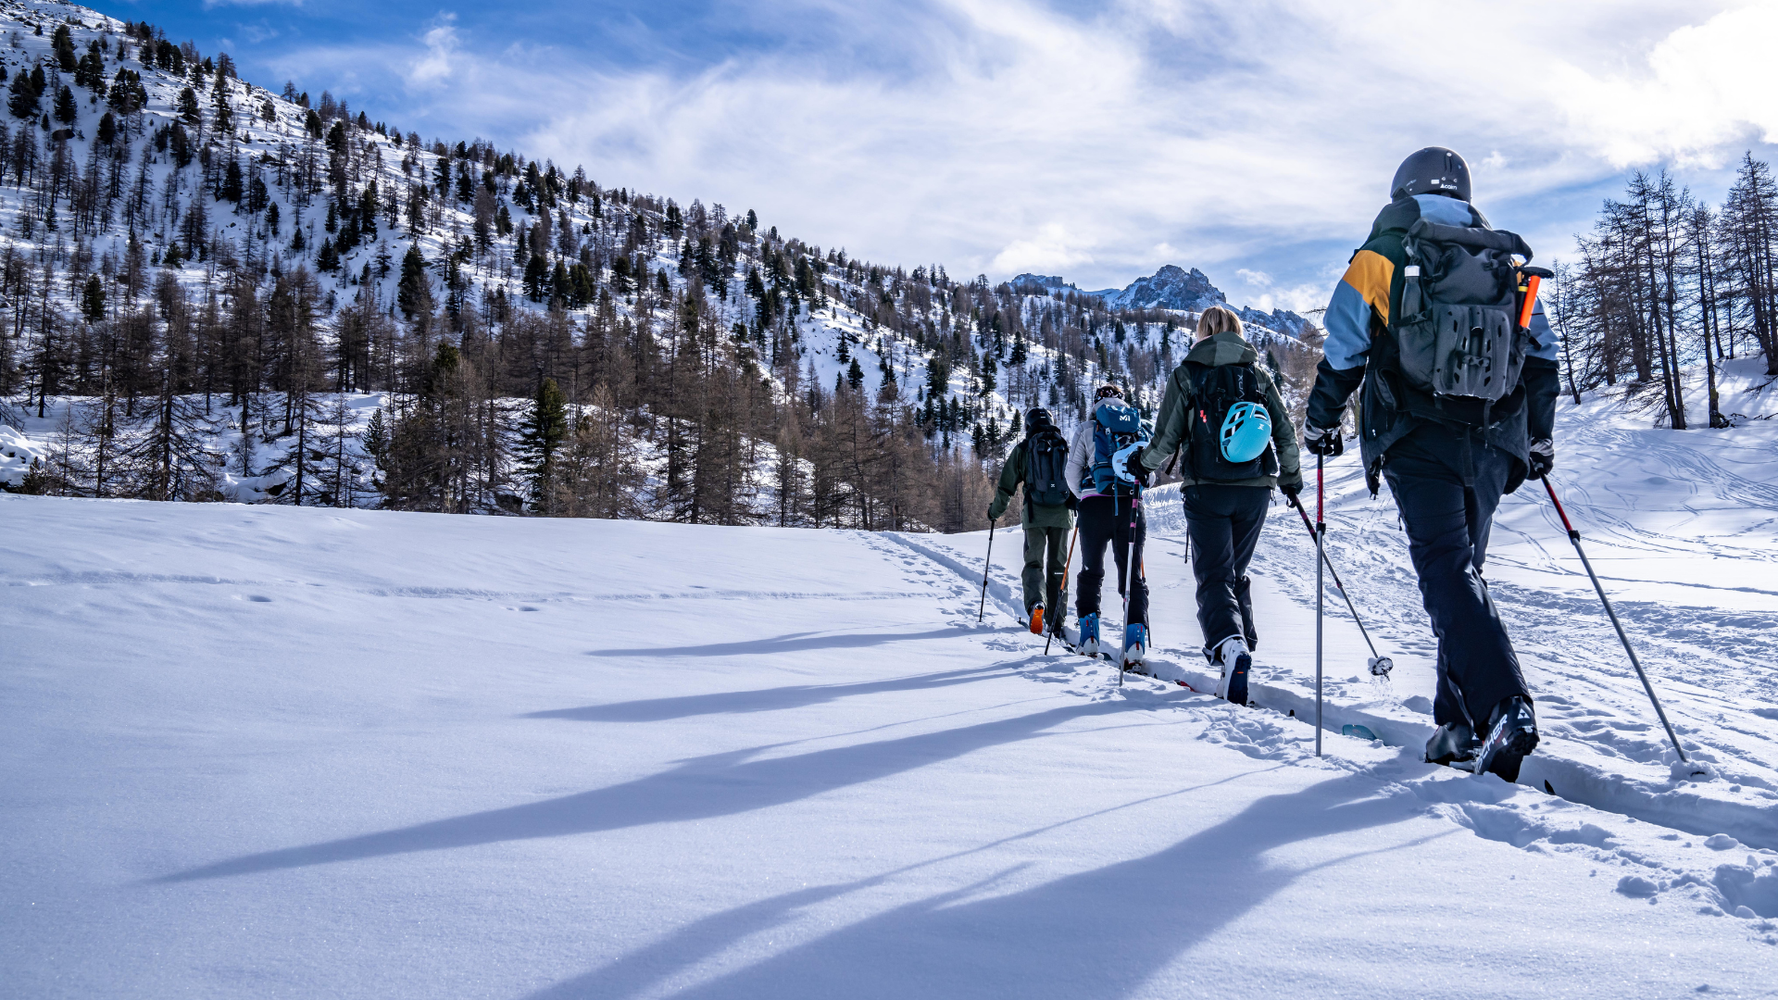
<point x="1116" y="425"/>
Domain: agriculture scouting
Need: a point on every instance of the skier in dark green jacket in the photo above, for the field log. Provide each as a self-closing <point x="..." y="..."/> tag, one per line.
<point x="1225" y="502"/>
<point x="1039" y="463"/>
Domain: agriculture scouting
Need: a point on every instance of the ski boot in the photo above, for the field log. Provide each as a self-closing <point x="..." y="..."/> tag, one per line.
<point x="1089" y="634"/>
<point x="1512" y="734"/>
<point x="1451" y="744"/>
<point x="1135" y="642"/>
<point x="1037" y="619"/>
<point x="1236" y="662"/>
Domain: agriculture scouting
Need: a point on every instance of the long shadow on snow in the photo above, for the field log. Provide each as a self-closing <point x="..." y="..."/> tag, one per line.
<point x="702" y="939"/>
<point x="1100" y="933"/>
<point x="760" y="700"/>
<point x="702" y="787"/>
<point x="790" y="643"/>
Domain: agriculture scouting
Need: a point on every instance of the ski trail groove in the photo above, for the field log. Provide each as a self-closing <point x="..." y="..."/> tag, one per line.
<point x="1585" y="754"/>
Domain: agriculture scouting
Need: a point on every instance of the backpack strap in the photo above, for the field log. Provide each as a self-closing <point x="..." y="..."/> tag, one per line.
<point x="1030" y="460"/>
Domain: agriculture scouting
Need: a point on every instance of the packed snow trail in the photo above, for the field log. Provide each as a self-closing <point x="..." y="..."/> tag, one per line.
<point x="1680" y="527"/>
<point x="298" y="752"/>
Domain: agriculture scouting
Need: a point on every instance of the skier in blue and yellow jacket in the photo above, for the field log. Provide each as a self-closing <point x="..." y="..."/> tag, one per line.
<point x="1447" y="469"/>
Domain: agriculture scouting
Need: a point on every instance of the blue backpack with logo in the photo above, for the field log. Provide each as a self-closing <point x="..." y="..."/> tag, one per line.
<point x="1116" y="425"/>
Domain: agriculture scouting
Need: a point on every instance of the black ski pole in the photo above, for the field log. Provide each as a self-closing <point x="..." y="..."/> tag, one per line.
<point x="1321" y="553"/>
<point x="985" y="563"/>
<point x="1574" y="536"/>
<point x="1062" y="598"/>
<point x="1380" y="665"/>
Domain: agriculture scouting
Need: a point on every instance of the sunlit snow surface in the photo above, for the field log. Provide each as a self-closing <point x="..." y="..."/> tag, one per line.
<point x="268" y="752"/>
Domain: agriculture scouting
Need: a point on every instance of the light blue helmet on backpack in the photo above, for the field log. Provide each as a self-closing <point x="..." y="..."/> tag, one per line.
<point x="1246" y="432"/>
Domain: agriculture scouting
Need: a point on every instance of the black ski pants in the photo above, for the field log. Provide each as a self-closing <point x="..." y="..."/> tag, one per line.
<point x="1447" y="484"/>
<point x="1106" y="521"/>
<point x="1223" y="522"/>
<point x="1043" y="583"/>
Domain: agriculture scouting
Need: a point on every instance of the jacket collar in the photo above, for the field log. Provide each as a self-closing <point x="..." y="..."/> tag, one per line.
<point x="1226" y="348"/>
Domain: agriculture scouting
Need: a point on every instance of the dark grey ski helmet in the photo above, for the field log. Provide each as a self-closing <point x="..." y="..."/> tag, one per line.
<point x="1433" y="170"/>
<point x="1038" y="417"/>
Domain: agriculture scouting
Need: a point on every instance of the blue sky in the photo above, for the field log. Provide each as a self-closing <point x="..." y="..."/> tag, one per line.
<point x="1254" y="140"/>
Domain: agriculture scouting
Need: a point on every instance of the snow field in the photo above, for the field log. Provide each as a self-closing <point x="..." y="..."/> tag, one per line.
<point x="288" y="752"/>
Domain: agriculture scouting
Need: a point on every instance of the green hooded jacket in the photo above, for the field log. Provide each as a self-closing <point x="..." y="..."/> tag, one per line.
<point x="1030" y="514"/>
<point x="1171" y="426"/>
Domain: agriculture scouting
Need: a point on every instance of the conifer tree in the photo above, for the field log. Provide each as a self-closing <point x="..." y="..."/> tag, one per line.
<point x="376" y="440"/>
<point x="169" y="457"/>
<point x="23" y="100"/>
<point x="67" y="112"/>
<point x="336" y="473"/>
<point x="540" y="439"/>
<point x="413" y="295"/>
<point x="93" y="300"/>
<point x="232" y="187"/>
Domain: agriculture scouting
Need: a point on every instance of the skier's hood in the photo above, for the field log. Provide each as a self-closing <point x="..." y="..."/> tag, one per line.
<point x="1225" y="348"/>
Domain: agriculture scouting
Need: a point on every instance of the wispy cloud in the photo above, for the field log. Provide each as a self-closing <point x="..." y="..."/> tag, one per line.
<point x="1007" y="135"/>
<point x="434" y="67"/>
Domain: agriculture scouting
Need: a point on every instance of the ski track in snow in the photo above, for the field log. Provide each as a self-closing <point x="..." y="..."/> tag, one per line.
<point x="762" y="763"/>
<point x="1715" y="668"/>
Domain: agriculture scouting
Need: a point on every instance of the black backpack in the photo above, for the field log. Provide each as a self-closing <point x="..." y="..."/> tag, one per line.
<point x="1214" y="390"/>
<point x="1046" y="468"/>
<point x="1457" y="337"/>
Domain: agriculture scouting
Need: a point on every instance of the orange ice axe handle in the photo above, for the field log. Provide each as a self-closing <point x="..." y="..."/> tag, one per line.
<point x="1533" y="277"/>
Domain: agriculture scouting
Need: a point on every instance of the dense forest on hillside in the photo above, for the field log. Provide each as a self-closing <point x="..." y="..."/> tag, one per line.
<point x="213" y="291"/>
<point x="198" y="260"/>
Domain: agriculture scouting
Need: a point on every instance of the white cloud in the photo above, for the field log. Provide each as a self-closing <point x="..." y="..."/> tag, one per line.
<point x="1004" y="135"/>
<point x="258" y="33"/>
<point x="441" y="44"/>
<point x="1050" y="251"/>
<point x="1297" y="299"/>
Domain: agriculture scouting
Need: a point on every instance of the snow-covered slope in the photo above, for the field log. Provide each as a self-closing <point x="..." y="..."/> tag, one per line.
<point x="300" y="752"/>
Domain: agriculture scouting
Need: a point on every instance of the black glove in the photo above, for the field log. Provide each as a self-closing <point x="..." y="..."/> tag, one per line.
<point x="1543" y="457"/>
<point x="1290" y="491"/>
<point x="1325" y="441"/>
<point x="991" y="515"/>
<point x="1135" y="468"/>
<point x="1072" y="503"/>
